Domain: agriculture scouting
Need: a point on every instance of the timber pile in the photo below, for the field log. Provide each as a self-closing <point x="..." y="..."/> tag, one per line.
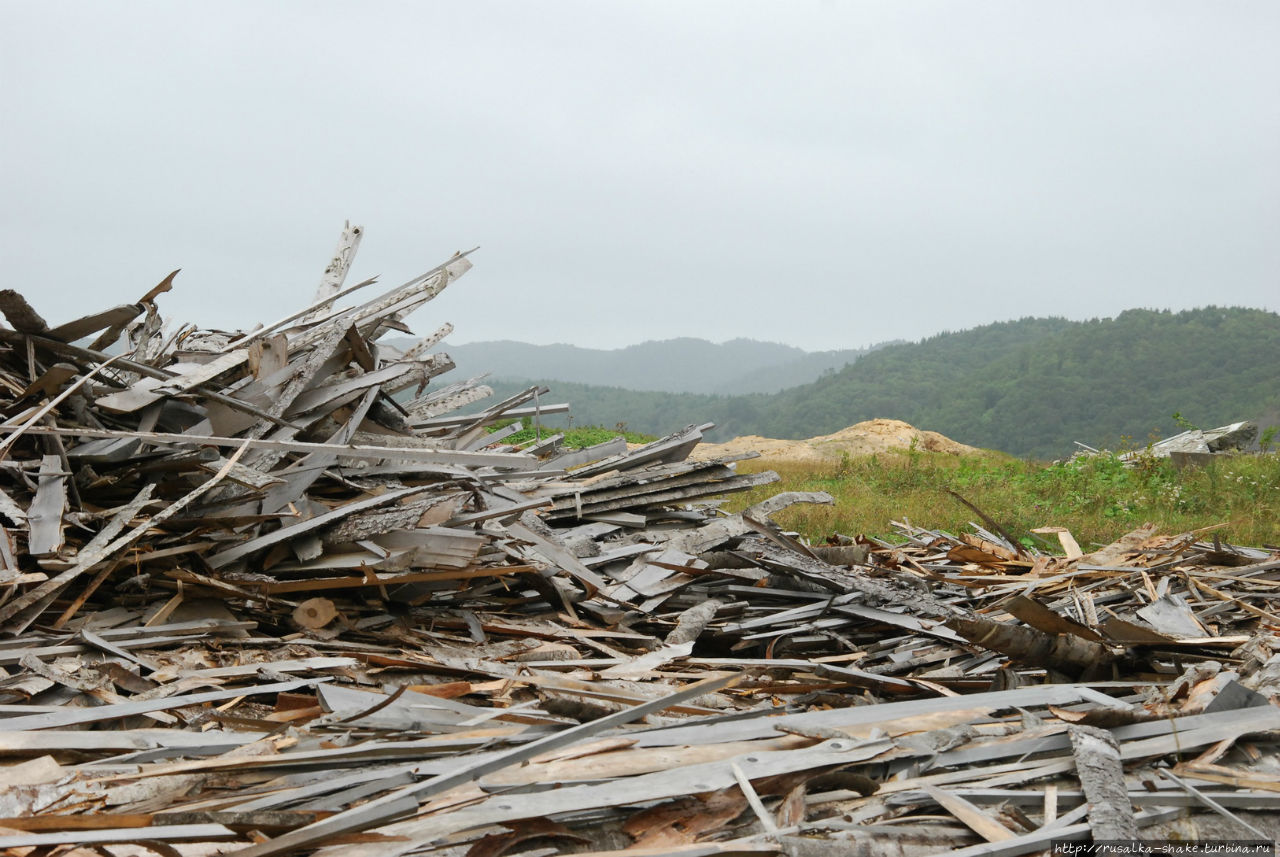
<point x="256" y="603"/>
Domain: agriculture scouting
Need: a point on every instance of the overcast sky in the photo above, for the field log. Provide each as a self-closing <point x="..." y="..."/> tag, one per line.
<point x="825" y="174"/>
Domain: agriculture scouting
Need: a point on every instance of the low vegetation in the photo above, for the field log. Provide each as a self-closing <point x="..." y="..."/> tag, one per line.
<point x="574" y="438"/>
<point x="1098" y="498"/>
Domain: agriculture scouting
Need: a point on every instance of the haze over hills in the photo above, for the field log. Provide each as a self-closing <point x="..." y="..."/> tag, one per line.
<point x="685" y="365"/>
<point x="1028" y="387"/>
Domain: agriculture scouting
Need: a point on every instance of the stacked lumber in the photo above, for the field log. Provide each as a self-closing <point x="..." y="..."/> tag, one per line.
<point x="286" y="592"/>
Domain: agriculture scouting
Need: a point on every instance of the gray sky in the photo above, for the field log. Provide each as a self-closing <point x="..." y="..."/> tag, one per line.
<point x="825" y="174"/>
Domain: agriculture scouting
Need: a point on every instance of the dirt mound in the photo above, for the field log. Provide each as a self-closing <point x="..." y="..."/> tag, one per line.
<point x="865" y="438"/>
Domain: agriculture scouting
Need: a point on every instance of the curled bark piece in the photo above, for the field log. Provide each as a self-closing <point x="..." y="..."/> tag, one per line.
<point x="20" y="314"/>
<point x="1068" y="654"/>
<point x="1101" y="775"/>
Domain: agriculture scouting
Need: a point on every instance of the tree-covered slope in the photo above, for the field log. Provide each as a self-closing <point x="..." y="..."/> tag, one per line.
<point x="1033" y="386"/>
<point x="1029" y="387"/>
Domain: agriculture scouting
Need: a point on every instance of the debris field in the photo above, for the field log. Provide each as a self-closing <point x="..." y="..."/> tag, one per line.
<point x="289" y="592"/>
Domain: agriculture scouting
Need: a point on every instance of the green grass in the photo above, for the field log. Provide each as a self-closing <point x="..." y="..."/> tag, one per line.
<point x="1097" y="498"/>
<point x="574" y="438"/>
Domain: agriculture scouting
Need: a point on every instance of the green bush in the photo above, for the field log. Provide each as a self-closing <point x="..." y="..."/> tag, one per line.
<point x="574" y="438"/>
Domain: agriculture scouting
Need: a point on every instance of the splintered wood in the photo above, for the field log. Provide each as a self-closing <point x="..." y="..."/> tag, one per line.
<point x="287" y="592"/>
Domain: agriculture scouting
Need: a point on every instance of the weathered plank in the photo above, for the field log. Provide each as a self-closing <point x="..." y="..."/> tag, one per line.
<point x="44" y="517"/>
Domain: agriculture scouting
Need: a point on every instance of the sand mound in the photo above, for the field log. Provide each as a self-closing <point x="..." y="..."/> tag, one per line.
<point x="865" y="438"/>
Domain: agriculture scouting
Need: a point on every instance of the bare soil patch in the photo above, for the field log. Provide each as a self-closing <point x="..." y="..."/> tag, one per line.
<point x="865" y="438"/>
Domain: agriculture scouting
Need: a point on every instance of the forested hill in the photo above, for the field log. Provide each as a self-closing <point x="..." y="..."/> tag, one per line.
<point x="1029" y="387"/>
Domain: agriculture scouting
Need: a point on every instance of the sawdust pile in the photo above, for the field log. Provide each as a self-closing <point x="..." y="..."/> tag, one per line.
<point x="865" y="438"/>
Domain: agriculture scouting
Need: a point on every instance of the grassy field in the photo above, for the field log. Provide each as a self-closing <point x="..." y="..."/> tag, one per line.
<point x="1097" y="498"/>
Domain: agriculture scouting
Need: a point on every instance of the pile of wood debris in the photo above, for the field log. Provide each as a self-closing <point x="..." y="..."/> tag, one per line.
<point x="257" y="603"/>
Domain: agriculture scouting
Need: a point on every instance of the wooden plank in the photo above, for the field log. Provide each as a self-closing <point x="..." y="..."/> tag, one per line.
<point x="30" y="742"/>
<point x="973" y="817"/>
<point x="512" y="460"/>
<point x="75" y="716"/>
<point x="77" y="822"/>
<point x="85" y="325"/>
<point x="757" y="805"/>
<point x="335" y="273"/>
<point x="596" y="452"/>
<point x="156" y="833"/>
<point x="448" y="399"/>
<point x="44" y="517"/>
<point x="419" y="350"/>
<point x="1059" y="694"/>
<point x="238" y="473"/>
<point x="454" y="420"/>
<point x="318" y="584"/>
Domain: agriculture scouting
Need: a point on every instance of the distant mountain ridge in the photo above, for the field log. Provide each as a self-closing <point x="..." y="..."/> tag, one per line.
<point x="683" y="365"/>
<point x="1029" y="387"/>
